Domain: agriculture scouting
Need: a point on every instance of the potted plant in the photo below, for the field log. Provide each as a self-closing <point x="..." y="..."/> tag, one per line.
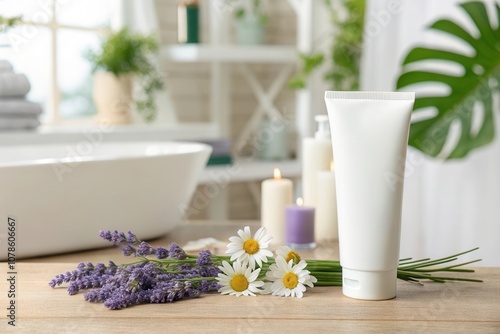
<point x="123" y="57"/>
<point x="7" y="23"/>
<point x="250" y="22"/>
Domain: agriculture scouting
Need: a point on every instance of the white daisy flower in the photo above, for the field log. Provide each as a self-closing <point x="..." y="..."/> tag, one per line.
<point x="288" y="254"/>
<point x="238" y="279"/>
<point x="250" y="250"/>
<point x="288" y="279"/>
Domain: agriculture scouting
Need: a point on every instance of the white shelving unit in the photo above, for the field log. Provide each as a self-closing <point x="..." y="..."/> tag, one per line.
<point x="250" y="171"/>
<point x="218" y="53"/>
<point x="247" y="54"/>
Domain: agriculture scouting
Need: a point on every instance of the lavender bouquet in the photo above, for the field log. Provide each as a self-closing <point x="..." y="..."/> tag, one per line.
<point x="162" y="275"/>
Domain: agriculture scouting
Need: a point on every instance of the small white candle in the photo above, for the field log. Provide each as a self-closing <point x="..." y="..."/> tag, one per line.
<point x="326" y="208"/>
<point x="276" y="194"/>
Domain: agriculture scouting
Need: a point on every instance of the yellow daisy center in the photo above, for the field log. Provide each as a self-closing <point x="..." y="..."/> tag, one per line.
<point x="251" y="246"/>
<point x="293" y="256"/>
<point x="290" y="280"/>
<point x="239" y="283"/>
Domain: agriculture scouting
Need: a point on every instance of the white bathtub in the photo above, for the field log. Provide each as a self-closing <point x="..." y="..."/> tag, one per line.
<point x="61" y="195"/>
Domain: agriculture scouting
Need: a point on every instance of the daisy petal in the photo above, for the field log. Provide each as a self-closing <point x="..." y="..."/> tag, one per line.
<point x="282" y="266"/>
<point x="253" y="276"/>
<point x="247" y="233"/>
<point x="280" y="269"/>
<point x="227" y="269"/>
<point x="266" y="253"/>
<point x="236" y="255"/>
<point x="267" y="288"/>
<point x="260" y="233"/>
<point x="251" y="261"/>
<point x="266" y="240"/>
<point x="235" y="240"/>
<point x="299" y="266"/>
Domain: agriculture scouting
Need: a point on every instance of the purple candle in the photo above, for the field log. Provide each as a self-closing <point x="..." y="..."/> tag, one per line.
<point x="299" y="226"/>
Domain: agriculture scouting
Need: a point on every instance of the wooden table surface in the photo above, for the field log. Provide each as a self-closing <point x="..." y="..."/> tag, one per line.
<point x="452" y="307"/>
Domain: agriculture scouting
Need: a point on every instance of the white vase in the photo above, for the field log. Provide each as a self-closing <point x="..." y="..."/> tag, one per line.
<point x="113" y="97"/>
<point x="249" y="30"/>
<point x="276" y="144"/>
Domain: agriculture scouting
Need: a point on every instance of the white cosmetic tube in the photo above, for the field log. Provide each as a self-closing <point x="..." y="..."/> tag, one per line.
<point x="370" y="139"/>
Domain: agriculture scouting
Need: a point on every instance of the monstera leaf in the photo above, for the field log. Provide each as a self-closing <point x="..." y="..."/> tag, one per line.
<point x="469" y="93"/>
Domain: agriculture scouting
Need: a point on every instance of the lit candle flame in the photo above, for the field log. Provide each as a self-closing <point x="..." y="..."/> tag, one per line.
<point x="331" y="166"/>
<point x="277" y="174"/>
<point x="300" y="201"/>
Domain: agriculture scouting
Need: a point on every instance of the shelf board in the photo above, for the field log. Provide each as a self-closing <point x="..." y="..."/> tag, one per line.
<point x="74" y="133"/>
<point x="247" y="171"/>
<point x="188" y="53"/>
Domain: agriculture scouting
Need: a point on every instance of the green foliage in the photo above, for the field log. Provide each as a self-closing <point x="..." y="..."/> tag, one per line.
<point x="240" y="11"/>
<point x="309" y="64"/>
<point x="126" y="53"/>
<point x="475" y="87"/>
<point x="146" y="105"/>
<point x="346" y="47"/>
<point x="8" y="22"/>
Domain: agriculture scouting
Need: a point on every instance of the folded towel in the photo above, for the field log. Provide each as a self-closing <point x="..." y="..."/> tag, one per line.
<point x="23" y="123"/>
<point x="16" y="107"/>
<point x="13" y="85"/>
<point x="5" y="66"/>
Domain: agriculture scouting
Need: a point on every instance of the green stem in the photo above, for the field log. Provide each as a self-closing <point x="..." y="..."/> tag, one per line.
<point x="329" y="272"/>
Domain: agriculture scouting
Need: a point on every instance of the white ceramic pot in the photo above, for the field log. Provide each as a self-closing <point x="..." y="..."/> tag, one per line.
<point x="249" y="30"/>
<point x="113" y="97"/>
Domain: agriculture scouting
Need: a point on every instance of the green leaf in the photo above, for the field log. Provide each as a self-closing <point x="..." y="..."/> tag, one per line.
<point x="124" y="52"/>
<point x="9" y="22"/>
<point x="472" y="89"/>
<point x="309" y="64"/>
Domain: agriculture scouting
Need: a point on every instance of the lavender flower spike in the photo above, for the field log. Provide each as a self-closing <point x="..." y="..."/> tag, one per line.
<point x="128" y="250"/>
<point x="161" y="253"/>
<point x="145" y="281"/>
<point x="132" y="238"/>
<point x="176" y="252"/>
<point x="145" y="249"/>
<point x="115" y="237"/>
<point x="127" y="242"/>
<point x="205" y="258"/>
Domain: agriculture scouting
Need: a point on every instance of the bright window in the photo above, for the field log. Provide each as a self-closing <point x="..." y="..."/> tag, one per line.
<point x="49" y="47"/>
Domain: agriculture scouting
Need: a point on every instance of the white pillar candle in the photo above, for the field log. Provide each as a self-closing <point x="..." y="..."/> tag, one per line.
<point x="277" y="193"/>
<point x="326" y="208"/>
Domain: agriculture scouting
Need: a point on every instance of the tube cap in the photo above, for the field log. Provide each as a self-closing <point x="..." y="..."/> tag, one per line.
<point x="369" y="285"/>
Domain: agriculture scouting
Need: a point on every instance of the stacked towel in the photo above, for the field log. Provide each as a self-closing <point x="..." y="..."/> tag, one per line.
<point x="5" y="66"/>
<point x="13" y="84"/>
<point x="15" y="112"/>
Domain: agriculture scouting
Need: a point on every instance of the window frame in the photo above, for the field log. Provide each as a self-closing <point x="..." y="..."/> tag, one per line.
<point x="52" y="115"/>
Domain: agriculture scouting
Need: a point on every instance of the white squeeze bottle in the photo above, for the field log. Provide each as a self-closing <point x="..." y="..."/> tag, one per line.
<point x="316" y="156"/>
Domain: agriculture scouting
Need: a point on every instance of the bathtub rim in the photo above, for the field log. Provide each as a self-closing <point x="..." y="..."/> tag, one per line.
<point x="194" y="147"/>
